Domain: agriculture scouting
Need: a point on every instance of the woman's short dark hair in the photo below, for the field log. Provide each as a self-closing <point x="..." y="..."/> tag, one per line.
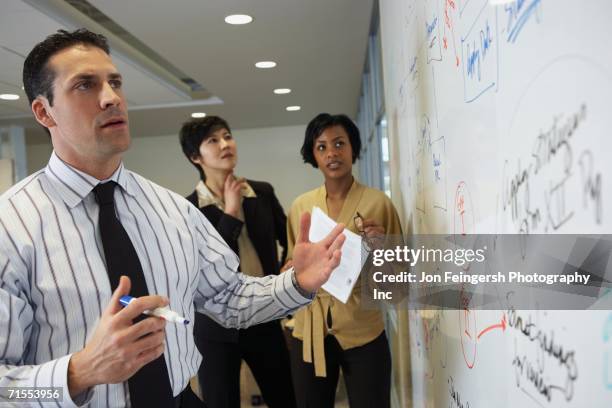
<point x="322" y="122"/>
<point x="194" y="132"/>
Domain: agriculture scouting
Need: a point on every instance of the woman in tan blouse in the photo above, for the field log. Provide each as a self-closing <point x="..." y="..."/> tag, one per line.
<point x="329" y="334"/>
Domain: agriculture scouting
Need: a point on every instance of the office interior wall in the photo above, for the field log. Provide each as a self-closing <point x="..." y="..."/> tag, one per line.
<point x="38" y="150"/>
<point x="6" y="174"/>
<point x="268" y="154"/>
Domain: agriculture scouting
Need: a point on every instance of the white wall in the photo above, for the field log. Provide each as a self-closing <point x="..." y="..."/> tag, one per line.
<point x="6" y="174"/>
<point x="38" y="152"/>
<point x="267" y="154"/>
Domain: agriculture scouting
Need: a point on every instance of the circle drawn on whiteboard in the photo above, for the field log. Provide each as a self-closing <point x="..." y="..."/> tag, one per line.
<point x="467" y="331"/>
<point x="463" y="220"/>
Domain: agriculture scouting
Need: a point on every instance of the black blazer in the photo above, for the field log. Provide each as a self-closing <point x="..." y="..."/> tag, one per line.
<point x="266" y="225"/>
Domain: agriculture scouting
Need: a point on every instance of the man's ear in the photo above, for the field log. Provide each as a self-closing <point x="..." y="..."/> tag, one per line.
<point x="41" y="110"/>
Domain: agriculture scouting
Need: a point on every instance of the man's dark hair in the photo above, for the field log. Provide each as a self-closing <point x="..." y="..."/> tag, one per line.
<point x="38" y="77"/>
<point x="322" y="122"/>
<point x="194" y="132"/>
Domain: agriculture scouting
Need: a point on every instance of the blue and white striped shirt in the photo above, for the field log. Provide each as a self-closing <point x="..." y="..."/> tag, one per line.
<point x="54" y="285"/>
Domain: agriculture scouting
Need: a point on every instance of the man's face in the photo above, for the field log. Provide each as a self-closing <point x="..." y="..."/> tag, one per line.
<point x="89" y="113"/>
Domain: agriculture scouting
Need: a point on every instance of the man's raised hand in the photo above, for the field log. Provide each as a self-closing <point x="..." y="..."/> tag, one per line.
<point x="314" y="262"/>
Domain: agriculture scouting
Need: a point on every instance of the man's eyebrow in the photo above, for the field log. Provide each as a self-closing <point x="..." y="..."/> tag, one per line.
<point x="90" y="77"/>
<point x="81" y="77"/>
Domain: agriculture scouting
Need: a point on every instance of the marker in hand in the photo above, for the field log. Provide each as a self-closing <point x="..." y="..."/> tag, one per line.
<point x="163" y="312"/>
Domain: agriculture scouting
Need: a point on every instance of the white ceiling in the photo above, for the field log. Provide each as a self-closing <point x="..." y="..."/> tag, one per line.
<point x="319" y="46"/>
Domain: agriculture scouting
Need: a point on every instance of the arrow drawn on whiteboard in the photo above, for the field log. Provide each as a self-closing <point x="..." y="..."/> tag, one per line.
<point x="501" y="325"/>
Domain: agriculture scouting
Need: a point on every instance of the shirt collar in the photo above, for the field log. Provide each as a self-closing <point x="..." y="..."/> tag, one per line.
<point x="206" y="197"/>
<point x="74" y="185"/>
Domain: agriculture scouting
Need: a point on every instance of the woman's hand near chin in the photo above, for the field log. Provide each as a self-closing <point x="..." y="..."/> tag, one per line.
<point x="232" y="191"/>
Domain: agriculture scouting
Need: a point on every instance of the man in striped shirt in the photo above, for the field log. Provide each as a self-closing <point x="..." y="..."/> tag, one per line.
<point x="61" y="324"/>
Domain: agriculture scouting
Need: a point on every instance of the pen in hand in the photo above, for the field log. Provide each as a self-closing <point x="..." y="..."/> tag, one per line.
<point x="163" y="312"/>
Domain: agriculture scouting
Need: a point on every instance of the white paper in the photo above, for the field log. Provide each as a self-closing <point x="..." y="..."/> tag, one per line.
<point x="343" y="278"/>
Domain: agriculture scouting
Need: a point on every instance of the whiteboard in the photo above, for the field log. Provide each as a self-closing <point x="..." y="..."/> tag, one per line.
<point x="499" y="116"/>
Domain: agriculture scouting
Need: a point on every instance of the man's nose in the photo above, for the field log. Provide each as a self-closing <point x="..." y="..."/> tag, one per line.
<point x="109" y="96"/>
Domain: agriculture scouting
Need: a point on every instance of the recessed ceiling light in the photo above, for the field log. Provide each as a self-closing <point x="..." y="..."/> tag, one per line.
<point x="265" y="64"/>
<point x="293" y="108"/>
<point x="238" y="19"/>
<point x="9" y="97"/>
<point x="198" y="115"/>
<point x="282" y="91"/>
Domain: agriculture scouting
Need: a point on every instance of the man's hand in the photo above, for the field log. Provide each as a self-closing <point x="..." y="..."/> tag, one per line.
<point x="232" y="192"/>
<point x="118" y="347"/>
<point x="314" y="262"/>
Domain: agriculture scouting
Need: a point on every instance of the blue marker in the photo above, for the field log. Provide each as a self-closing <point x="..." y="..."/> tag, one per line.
<point x="163" y="312"/>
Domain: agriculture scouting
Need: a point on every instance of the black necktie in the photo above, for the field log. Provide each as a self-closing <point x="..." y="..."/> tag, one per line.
<point x="150" y="386"/>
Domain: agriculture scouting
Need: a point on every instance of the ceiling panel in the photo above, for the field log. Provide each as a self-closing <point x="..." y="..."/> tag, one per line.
<point x="141" y="89"/>
<point x="320" y="47"/>
<point x="22" y="26"/>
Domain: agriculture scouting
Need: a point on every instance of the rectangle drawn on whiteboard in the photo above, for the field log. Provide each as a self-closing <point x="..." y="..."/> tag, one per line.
<point x="432" y="31"/>
<point x="479" y="52"/>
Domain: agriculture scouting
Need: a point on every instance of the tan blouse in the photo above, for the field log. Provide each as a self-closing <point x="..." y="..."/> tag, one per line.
<point x="352" y="325"/>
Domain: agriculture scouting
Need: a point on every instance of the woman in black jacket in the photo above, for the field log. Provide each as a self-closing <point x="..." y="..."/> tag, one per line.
<point x="249" y="217"/>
